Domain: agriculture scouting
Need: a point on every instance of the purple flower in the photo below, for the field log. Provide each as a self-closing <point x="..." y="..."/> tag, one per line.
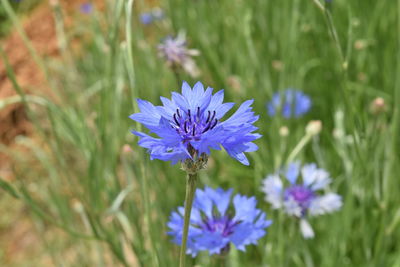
<point x="214" y="224"/>
<point x="175" y="52"/>
<point x="191" y="123"/>
<point x="301" y="199"/>
<point x="291" y="103"/>
<point x="86" y="8"/>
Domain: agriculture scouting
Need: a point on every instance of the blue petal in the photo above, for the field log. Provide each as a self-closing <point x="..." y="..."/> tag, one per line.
<point x="292" y="172"/>
<point x="216" y="100"/>
<point x="245" y="208"/>
<point x="148" y="115"/>
<point x="213" y="242"/>
<point x="220" y="198"/>
<point x="180" y="101"/>
<point x="241" y="235"/>
<point x="203" y="202"/>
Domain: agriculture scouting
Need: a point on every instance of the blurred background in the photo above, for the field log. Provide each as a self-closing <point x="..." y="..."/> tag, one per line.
<point x="77" y="190"/>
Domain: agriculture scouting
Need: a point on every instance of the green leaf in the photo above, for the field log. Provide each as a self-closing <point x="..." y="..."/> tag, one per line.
<point x="8" y="188"/>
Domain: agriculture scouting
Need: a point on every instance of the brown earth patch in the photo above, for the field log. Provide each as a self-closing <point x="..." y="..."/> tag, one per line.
<point x="18" y="238"/>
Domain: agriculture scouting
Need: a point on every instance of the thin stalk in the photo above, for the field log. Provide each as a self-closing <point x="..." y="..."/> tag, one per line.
<point x="190" y="190"/>
<point x="177" y="75"/>
<point x="299" y="147"/>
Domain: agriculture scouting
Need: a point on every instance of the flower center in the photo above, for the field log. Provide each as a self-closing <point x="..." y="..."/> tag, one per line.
<point x="301" y="194"/>
<point x="223" y="225"/>
<point x="191" y="125"/>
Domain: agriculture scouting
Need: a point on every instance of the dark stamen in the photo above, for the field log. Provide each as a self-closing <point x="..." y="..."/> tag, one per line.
<point x="185" y="127"/>
<point x="176" y="121"/>
<point x="194" y="130"/>
<point x="213" y="116"/>
<point x="190" y="117"/>
<point x="177" y="111"/>
<point x="208" y="117"/>
<point x="215" y="123"/>
<point x="207" y="128"/>
<point x="198" y="112"/>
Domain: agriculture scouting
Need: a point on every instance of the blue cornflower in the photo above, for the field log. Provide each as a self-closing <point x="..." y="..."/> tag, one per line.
<point x="176" y="54"/>
<point x="86" y="8"/>
<point x="292" y="103"/>
<point x="149" y="17"/>
<point x="214" y="225"/>
<point x="301" y="199"/>
<point x="146" y="18"/>
<point x="190" y="124"/>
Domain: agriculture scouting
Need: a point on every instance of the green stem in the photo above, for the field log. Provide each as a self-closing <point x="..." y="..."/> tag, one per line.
<point x="177" y="75"/>
<point x="190" y="190"/>
<point x="299" y="147"/>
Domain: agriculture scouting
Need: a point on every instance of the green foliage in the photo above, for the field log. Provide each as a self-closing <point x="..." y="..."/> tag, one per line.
<point x="113" y="201"/>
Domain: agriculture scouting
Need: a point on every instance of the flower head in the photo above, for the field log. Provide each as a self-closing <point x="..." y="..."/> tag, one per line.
<point x="86" y="8"/>
<point x="177" y="55"/>
<point x="146" y="18"/>
<point x="214" y="224"/>
<point x="292" y="103"/>
<point x="189" y="124"/>
<point x="301" y="199"/>
<point x="155" y="14"/>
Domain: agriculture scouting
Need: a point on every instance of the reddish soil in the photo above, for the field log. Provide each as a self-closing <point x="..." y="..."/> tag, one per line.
<point x="17" y="234"/>
<point x="39" y="27"/>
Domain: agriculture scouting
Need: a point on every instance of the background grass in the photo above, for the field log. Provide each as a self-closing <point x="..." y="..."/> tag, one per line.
<point x="113" y="202"/>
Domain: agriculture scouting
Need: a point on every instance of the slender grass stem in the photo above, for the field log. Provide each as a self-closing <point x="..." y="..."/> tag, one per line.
<point x="190" y="190"/>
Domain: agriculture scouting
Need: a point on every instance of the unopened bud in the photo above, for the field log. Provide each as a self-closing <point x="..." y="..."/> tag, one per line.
<point x="126" y="149"/>
<point x="234" y="83"/>
<point x="378" y="105"/>
<point x="284" y="131"/>
<point x="314" y="127"/>
<point x="277" y="65"/>
<point x="360" y="44"/>
<point x="77" y="205"/>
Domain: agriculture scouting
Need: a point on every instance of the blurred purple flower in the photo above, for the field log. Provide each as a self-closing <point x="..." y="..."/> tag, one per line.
<point x="155" y="14"/>
<point x="301" y="199"/>
<point x="86" y="8"/>
<point x="146" y="18"/>
<point x="291" y="103"/>
<point x="176" y="54"/>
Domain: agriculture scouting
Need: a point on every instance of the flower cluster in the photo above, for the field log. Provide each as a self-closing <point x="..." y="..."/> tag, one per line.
<point x="301" y="199"/>
<point x="189" y="124"/>
<point x="214" y="224"/>
<point x="291" y="103"/>
<point x="175" y="52"/>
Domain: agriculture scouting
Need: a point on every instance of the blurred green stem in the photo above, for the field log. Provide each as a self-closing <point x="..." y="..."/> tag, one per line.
<point x="190" y="190"/>
<point x="299" y="147"/>
<point x="177" y="75"/>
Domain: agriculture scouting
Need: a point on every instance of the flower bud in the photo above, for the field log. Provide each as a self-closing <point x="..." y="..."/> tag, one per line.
<point x="377" y="106"/>
<point x="284" y="131"/>
<point x="314" y="127"/>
